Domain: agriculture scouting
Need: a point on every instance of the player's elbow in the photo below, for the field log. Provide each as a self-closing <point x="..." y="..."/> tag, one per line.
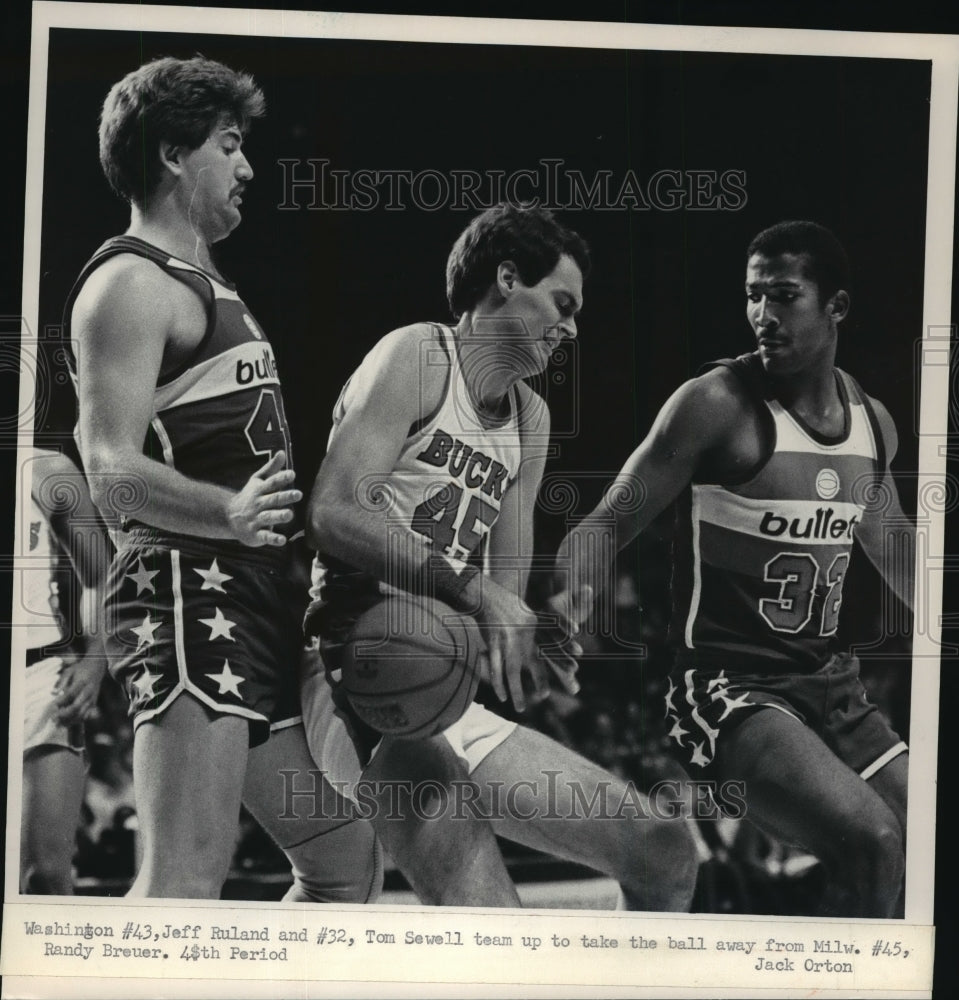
<point x="113" y="483"/>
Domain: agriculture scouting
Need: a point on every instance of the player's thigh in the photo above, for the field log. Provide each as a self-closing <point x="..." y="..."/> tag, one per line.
<point x="288" y="795"/>
<point x="188" y="769"/>
<point x="543" y="795"/>
<point x="53" y="781"/>
<point x="798" y="789"/>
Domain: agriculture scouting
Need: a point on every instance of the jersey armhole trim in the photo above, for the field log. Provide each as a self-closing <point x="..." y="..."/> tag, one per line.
<point x="428" y="418"/>
<point x="877" y="435"/>
<point x="745" y="371"/>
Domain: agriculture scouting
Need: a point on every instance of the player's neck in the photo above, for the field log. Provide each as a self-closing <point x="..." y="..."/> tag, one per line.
<point x="488" y="378"/>
<point x="171" y="233"/>
<point x="812" y="394"/>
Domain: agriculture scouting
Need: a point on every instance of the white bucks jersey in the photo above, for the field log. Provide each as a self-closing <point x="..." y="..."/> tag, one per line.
<point x="448" y="481"/>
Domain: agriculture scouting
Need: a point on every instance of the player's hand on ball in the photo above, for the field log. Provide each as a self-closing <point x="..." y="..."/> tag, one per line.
<point x="509" y="627"/>
<point x="266" y="500"/>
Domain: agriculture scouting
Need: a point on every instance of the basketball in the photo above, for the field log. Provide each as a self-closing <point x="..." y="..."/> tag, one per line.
<point x="411" y="666"/>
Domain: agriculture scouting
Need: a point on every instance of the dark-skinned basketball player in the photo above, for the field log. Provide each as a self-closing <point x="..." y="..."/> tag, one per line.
<point x="185" y="445"/>
<point x="777" y="458"/>
<point x="437" y="449"/>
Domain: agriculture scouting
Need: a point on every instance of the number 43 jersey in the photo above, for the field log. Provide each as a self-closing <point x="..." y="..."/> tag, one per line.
<point x="219" y="416"/>
<point x="759" y="565"/>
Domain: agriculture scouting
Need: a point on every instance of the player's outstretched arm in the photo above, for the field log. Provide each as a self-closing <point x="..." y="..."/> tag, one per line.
<point x="886" y="535"/>
<point x="692" y="426"/>
<point x="126" y="323"/>
<point x="508" y="555"/>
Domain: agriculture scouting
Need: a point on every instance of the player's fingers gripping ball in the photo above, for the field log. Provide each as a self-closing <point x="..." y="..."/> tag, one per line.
<point x="412" y="666"/>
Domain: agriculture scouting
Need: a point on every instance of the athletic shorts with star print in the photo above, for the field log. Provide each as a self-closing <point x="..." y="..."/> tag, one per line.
<point x="225" y="628"/>
<point x="703" y="703"/>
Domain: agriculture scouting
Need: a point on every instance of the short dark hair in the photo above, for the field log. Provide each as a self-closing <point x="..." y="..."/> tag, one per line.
<point x="173" y="100"/>
<point x="828" y="264"/>
<point x="530" y="237"/>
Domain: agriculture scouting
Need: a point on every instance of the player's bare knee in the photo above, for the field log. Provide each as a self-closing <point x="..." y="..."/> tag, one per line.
<point x="671" y="858"/>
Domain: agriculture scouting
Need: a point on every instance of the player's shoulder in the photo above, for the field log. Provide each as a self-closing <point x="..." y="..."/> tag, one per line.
<point x="887" y="425"/>
<point x="718" y="395"/>
<point x="406" y="369"/>
<point x="128" y="284"/>
<point x="416" y="347"/>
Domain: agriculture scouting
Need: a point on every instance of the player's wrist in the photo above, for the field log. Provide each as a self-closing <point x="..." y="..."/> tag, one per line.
<point x="436" y="577"/>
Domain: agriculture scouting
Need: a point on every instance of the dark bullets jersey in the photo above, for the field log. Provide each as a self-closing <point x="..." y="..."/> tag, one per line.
<point x="219" y="416"/>
<point x="759" y="566"/>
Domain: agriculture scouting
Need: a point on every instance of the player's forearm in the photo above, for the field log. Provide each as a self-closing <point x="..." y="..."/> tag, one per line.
<point x="585" y="558"/>
<point x="367" y="541"/>
<point x="134" y="486"/>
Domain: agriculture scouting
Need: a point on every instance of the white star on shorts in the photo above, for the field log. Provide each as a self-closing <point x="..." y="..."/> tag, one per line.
<point x="670" y="707"/>
<point x="732" y="704"/>
<point x="721" y="680"/>
<point x="144" y="685"/>
<point x="213" y="579"/>
<point x="142" y="578"/>
<point x="145" y="632"/>
<point x="677" y="732"/>
<point x="219" y="626"/>
<point x="229" y="682"/>
<point x="698" y="757"/>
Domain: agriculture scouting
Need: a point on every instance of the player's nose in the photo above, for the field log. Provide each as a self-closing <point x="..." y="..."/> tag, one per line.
<point x="243" y="169"/>
<point x="763" y="316"/>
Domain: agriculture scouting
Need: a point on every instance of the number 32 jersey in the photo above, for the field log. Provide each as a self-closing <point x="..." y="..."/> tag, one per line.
<point x="759" y="565"/>
<point x="219" y="416"/>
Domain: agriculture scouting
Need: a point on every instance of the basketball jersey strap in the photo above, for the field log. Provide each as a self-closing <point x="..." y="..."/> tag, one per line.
<point x="748" y="369"/>
<point x="870" y="411"/>
<point x="189" y="275"/>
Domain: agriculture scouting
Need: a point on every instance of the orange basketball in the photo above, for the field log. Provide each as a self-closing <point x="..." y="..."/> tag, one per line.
<point x="411" y="666"/>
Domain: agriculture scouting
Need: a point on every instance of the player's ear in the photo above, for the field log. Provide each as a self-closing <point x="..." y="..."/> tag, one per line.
<point x="838" y="305"/>
<point x="507" y="278"/>
<point x="171" y="156"/>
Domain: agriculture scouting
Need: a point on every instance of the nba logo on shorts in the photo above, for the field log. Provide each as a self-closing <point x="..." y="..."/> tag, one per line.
<point x="251" y="326"/>
<point x="827" y="484"/>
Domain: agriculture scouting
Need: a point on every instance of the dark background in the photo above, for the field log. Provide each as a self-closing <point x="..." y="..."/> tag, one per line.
<point x="688" y="328"/>
<point x="841" y="141"/>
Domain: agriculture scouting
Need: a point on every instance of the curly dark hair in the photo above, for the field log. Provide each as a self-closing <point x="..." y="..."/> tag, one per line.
<point x="168" y="100"/>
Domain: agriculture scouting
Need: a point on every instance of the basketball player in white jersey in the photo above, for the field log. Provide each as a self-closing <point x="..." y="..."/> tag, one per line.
<point x="777" y="459"/>
<point x="436" y="455"/>
<point x="67" y="552"/>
